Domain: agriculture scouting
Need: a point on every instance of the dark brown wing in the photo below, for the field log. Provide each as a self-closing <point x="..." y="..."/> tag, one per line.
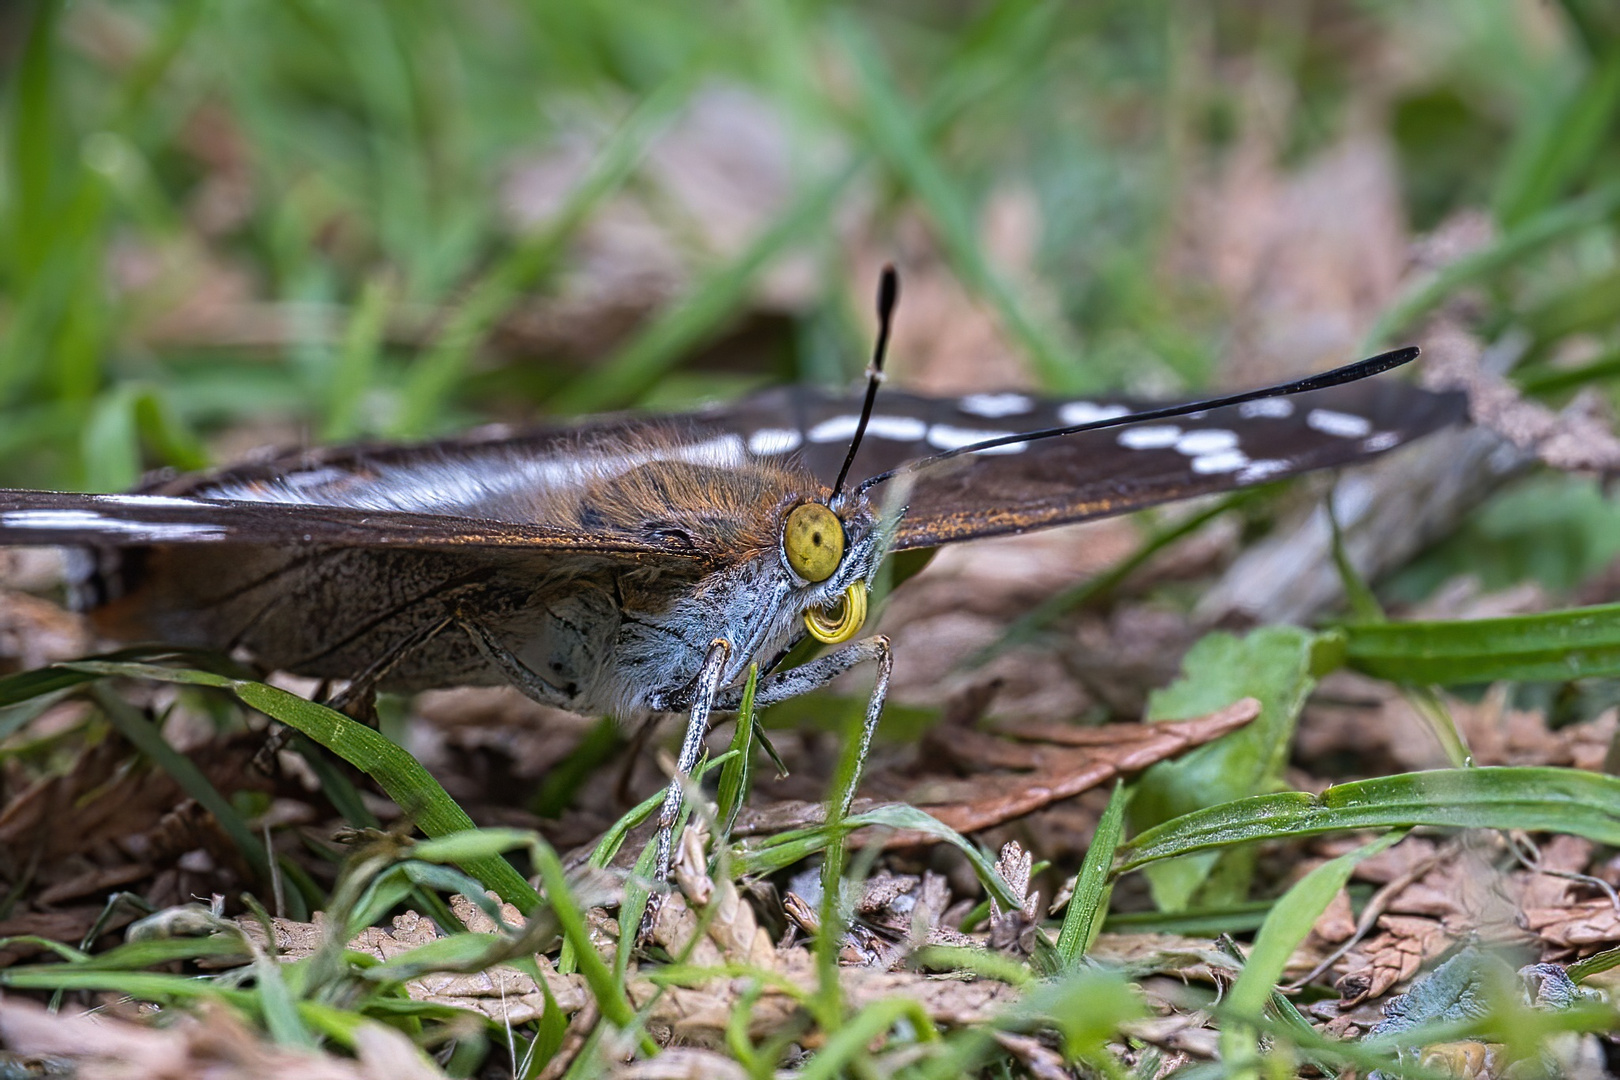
<point x="1090" y="474"/>
<point x="1115" y="470"/>
<point x="67" y="519"/>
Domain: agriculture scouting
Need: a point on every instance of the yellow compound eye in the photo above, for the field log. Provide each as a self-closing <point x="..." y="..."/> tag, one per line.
<point x="813" y="541"/>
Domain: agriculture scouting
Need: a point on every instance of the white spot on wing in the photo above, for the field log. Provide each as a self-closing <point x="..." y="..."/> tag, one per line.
<point x="1344" y="425"/>
<point x="842" y="429"/>
<point x="147" y="500"/>
<point x="1257" y="471"/>
<point x="995" y="406"/>
<point x="1072" y="413"/>
<point x="768" y="441"/>
<point x="89" y="520"/>
<point x="1150" y="437"/>
<point x="898" y="428"/>
<point x="1372" y="444"/>
<point x="1271" y="408"/>
<point x="947" y="437"/>
<point x="1222" y="461"/>
<point x="1209" y="441"/>
<point x="838" y="429"/>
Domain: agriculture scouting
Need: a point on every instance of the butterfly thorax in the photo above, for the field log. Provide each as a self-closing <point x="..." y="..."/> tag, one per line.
<point x="648" y="642"/>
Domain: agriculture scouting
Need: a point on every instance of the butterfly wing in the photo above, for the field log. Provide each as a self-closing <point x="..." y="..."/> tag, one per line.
<point x="320" y="590"/>
<point x="456" y="494"/>
<point x="1087" y="475"/>
<point x="143" y="518"/>
<point x="322" y="561"/>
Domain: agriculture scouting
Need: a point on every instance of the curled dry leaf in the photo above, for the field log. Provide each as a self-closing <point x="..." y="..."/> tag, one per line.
<point x="1088" y="757"/>
<point x="1039" y="1060"/>
<point x="1014" y="931"/>
<point x="1580" y="925"/>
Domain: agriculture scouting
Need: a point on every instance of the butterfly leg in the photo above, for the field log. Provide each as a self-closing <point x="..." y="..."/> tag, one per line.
<point x="818" y="673"/>
<point x="704" y="695"/>
<point x="359" y="698"/>
<point x="519" y="674"/>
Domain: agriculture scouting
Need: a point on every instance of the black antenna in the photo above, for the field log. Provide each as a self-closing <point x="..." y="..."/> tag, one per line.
<point x="1361" y="369"/>
<point x="888" y="296"/>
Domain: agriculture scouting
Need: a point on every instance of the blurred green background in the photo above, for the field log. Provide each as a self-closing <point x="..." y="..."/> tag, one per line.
<point x="236" y="222"/>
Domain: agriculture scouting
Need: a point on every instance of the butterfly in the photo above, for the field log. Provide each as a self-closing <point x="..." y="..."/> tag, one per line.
<point x="635" y="565"/>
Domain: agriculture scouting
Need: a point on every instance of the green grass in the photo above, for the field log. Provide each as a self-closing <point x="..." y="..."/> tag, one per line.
<point x="338" y="169"/>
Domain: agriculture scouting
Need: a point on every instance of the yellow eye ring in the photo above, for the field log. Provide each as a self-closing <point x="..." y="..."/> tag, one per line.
<point x="837" y="625"/>
<point x="813" y="541"/>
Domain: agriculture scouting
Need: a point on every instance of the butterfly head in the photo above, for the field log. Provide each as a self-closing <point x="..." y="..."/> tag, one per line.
<point x="834" y="559"/>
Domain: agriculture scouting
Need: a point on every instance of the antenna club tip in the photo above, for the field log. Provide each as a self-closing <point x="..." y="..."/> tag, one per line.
<point x="1394" y="358"/>
<point x="888" y="290"/>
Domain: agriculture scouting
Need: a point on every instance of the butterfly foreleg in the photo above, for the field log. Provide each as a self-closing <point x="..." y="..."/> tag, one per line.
<point x="818" y="673"/>
<point x="359" y="698"/>
<point x="705" y="692"/>
<point x="512" y="667"/>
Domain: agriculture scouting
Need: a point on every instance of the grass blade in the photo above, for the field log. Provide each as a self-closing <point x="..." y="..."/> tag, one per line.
<point x="400" y="775"/>
<point x="1574" y="644"/>
<point x="144" y="735"/>
<point x="1534" y="799"/>
<point x="1287" y="924"/>
<point x="737" y="775"/>
<point x="1089" y="902"/>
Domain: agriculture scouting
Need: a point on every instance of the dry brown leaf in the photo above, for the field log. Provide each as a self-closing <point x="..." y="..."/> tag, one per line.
<point x="211" y="1043"/>
<point x="1039" y="1060"/>
<point x="1579" y="438"/>
<point x="1303" y="279"/>
<point x="1338" y="921"/>
<point x="1061" y="772"/>
<point x="682" y="1063"/>
<point x="35" y="632"/>
<point x="1578" y="925"/>
<point x="1371" y="719"/>
<point x="1393" y="955"/>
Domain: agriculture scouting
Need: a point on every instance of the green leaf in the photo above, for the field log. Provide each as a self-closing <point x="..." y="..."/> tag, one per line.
<point x="1089" y="902"/>
<point x="400" y="775"/>
<point x="280" y="1009"/>
<point x="1533" y="799"/>
<point x="1086" y="1006"/>
<point x="1272" y="665"/>
<point x="1573" y="644"/>
<point x="1288" y="923"/>
<point x="737" y="775"/>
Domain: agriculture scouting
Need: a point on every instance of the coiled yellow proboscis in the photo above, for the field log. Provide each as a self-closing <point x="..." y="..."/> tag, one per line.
<point x="838" y="624"/>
